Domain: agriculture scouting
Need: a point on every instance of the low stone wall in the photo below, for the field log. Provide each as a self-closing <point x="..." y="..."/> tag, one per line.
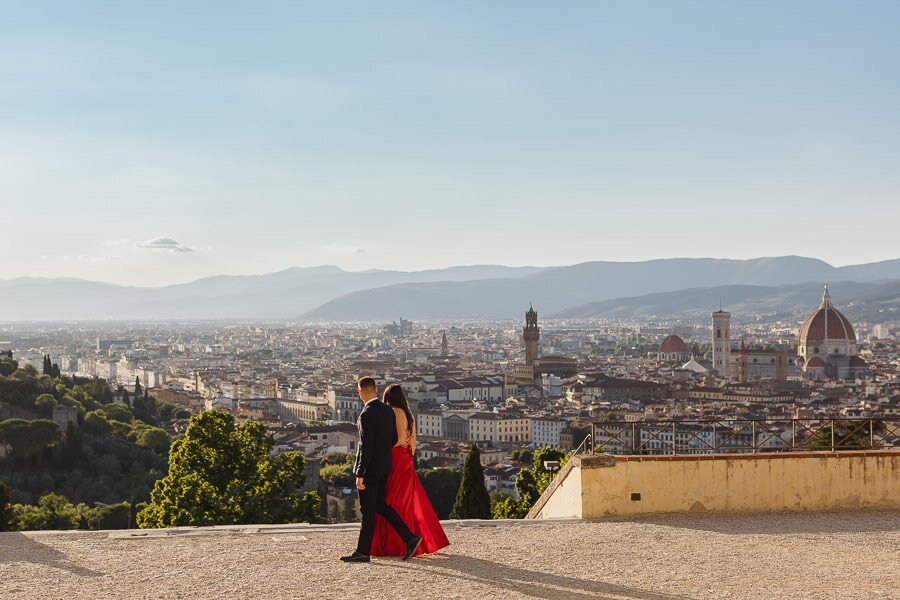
<point x="623" y="486"/>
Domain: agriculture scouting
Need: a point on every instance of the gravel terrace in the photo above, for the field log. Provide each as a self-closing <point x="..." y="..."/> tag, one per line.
<point x="843" y="555"/>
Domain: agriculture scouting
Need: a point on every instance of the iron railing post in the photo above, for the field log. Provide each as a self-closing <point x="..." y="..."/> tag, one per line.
<point x="871" y="433"/>
<point x="832" y="435"/>
<point x="793" y="434"/>
<point x="593" y="440"/>
<point x="633" y="438"/>
<point x="674" y="437"/>
<point x="753" y="433"/>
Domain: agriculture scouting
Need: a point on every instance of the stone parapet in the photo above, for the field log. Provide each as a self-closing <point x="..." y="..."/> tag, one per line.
<point x="624" y="486"/>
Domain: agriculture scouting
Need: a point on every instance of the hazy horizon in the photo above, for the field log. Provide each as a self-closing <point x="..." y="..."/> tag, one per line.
<point x="440" y="268"/>
<point x="159" y="144"/>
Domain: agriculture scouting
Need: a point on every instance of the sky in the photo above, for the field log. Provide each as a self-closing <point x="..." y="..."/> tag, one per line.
<point x="157" y="143"/>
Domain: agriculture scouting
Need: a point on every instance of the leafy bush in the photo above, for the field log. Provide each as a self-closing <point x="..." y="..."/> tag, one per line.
<point x="52" y="512"/>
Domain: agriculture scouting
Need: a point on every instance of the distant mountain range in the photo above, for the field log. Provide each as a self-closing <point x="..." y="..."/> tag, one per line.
<point x="859" y="301"/>
<point x="664" y="288"/>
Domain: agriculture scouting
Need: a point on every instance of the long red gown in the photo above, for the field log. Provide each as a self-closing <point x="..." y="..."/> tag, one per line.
<point x="406" y="495"/>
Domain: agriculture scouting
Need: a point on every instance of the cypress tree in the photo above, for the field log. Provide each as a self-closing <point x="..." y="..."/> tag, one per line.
<point x="472" y="499"/>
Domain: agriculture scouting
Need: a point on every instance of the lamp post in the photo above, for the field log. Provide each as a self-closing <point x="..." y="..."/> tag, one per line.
<point x="552" y="466"/>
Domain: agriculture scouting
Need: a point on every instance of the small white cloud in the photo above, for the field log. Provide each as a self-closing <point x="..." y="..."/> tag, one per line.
<point x="343" y="249"/>
<point x="164" y="243"/>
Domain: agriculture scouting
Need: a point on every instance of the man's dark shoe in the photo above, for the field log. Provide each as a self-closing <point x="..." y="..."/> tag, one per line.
<point x="356" y="557"/>
<point x="411" y="546"/>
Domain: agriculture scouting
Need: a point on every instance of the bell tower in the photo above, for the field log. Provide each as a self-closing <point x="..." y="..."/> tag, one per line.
<point x="532" y="335"/>
<point x="721" y="343"/>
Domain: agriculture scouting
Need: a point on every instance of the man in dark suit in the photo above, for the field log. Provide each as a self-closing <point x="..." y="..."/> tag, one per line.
<point x="377" y="436"/>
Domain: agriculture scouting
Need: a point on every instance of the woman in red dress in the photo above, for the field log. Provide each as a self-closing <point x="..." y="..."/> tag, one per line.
<point x="405" y="493"/>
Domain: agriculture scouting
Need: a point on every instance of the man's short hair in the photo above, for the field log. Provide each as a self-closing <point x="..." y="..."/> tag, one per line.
<point x="367" y="384"/>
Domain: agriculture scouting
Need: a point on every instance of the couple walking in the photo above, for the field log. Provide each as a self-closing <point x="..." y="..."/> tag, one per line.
<point x="390" y="494"/>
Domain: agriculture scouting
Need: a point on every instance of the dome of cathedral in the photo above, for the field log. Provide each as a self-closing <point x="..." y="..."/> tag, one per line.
<point x="826" y="323"/>
<point x="673" y="345"/>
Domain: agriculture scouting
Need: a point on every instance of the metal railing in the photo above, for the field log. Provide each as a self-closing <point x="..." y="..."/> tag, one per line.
<point x="586" y="445"/>
<point x="744" y="436"/>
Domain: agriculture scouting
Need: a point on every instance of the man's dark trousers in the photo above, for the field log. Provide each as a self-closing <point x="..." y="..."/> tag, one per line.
<point x="372" y="501"/>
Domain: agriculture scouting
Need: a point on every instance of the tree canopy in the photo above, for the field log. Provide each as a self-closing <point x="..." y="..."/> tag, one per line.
<point x="222" y="473"/>
<point x="106" y="454"/>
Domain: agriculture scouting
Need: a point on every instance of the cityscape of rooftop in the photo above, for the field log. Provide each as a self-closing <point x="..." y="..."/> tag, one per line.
<point x="625" y="275"/>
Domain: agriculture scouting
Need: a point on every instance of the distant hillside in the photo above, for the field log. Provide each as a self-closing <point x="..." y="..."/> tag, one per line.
<point x="275" y="295"/>
<point x="481" y="292"/>
<point x="555" y="290"/>
<point x="859" y="301"/>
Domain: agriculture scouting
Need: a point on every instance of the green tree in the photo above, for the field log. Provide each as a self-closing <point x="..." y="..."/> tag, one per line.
<point x="45" y="403"/>
<point x="7" y="365"/>
<point x="95" y="423"/>
<point x="522" y="455"/>
<point x="338" y="475"/>
<point x="472" y="500"/>
<point x="507" y="507"/>
<point x="118" y="412"/>
<point x="441" y="486"/>
<point x="578" y="435"/>
<point x="52" y="512"/>
<point x="847" y="435"/>
<point x="543" y="476"/>
<point x="527" y="488"/>
<point x="28" y="438"/>
<point x="100" y="391"/>
<point x="7" y="517"/>
<point x="154" y="438"/>
<point x="338" y="458"/>
<point x="138" y="388"/>
<point x="530" y="484"/>
<point x="222" y="473"/>
<point x="104" y="516"/>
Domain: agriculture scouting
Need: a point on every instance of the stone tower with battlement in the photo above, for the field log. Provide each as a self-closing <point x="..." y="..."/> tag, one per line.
<point x="532" y="335"/>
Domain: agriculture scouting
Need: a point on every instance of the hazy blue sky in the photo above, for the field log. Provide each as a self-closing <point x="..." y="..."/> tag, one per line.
<point x="158" y="142"/>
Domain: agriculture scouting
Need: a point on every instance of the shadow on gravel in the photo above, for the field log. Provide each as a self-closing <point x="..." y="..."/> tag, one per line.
<point x="817" y="523"/>
<point x="16" y="547"/>
<point x="536" y="584"/>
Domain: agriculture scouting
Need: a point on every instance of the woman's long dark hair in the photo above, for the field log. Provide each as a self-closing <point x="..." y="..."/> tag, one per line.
<point x="394" y="396"/>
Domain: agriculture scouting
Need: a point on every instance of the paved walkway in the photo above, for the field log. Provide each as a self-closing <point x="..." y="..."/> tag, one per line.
<point x="799" y="555"/>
